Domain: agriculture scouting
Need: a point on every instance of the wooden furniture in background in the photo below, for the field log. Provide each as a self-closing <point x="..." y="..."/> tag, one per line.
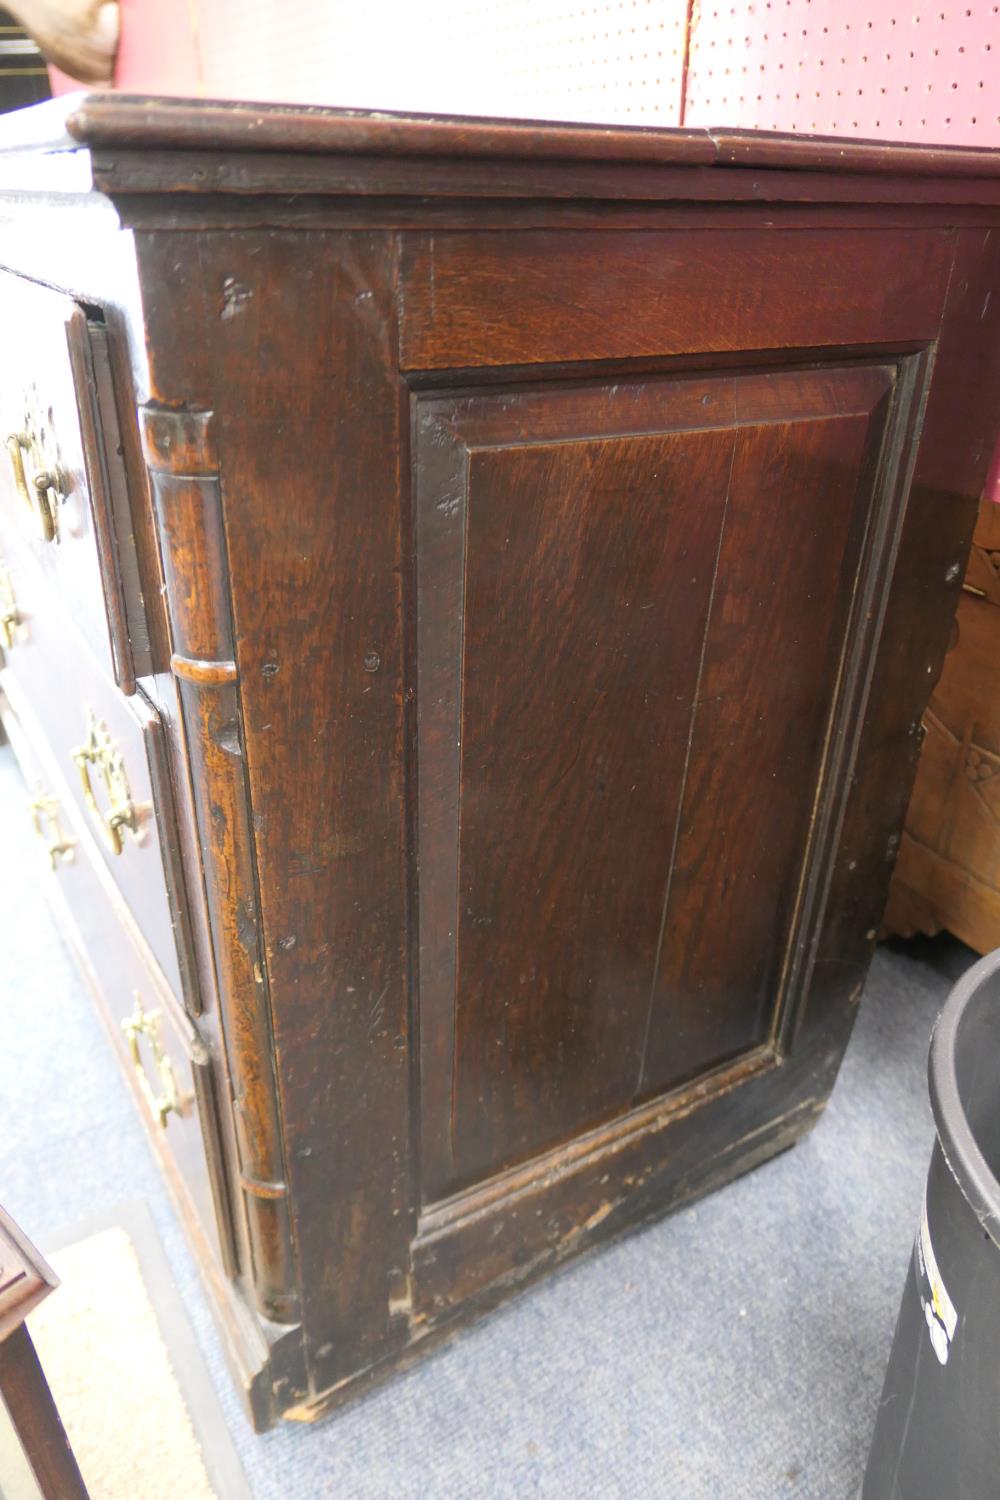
<point x="471" y="592"/>
<point x="948" y="871"/>
<point x="25" y="1280"/>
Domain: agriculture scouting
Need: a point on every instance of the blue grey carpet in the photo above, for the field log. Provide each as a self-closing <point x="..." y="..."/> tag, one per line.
<point x="733" y="1350"/>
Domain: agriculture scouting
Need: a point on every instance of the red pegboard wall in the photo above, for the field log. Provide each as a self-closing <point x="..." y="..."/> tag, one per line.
<point x="923" y="71"/>
<point x="620" y="60"/>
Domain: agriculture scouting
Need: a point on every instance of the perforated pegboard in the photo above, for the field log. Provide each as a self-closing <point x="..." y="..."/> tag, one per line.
<point x="601" y="60"/>
<point x="927" y="70"/>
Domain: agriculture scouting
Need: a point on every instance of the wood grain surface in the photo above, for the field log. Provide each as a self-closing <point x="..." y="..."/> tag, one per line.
<point x="559" y="535"/>
<point x="496" y="300"/>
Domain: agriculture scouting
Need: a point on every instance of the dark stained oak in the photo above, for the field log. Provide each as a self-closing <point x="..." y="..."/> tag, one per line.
<point x="528" y="550"/>
<point x="600" y="705"/>
<point x="149" y="123"/>
<point x="788" y="559"/>
<point x="588" y="572"/>
<point x="183" y="466"/>
<point x="494" y="300"/>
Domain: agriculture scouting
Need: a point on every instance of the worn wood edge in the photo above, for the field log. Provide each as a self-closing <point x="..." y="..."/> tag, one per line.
<point x="196" y="148"/>
<point x="831" y="153"/>
<point x="22" y="1293"/>
<point x="584" y="1151"/>
<point x="136" y="120"/>
<point x="427" y="1338"/>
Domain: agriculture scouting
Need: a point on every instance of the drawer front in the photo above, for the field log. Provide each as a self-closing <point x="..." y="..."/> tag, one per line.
<point x="168" y="1065"/>
<point x="57" y="471"/>
<point x="110" y="750"/>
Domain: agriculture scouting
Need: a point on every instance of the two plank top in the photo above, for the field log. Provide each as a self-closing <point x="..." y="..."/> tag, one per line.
<point x="131" y="121"/>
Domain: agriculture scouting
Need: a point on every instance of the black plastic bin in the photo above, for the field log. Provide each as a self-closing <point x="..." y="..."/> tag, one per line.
<point x="937" y="1435"/>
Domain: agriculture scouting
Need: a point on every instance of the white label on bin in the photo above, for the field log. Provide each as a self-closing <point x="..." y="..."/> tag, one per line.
<point x="939" y="1310"/>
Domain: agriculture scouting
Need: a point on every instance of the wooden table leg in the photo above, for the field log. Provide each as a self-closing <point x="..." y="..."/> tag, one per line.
<point x="36" y="1420"/>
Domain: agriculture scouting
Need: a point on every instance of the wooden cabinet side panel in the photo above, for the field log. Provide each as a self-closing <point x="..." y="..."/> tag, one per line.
<point x="293" y="346"/>
<point x="298" y="363"/>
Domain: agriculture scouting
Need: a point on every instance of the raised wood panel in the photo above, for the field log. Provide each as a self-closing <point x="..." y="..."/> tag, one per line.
<point x="603" y="574"/>
<point x="797" y="500"/>
<point x="581" y="560"/>
<point x="531" y="296"/>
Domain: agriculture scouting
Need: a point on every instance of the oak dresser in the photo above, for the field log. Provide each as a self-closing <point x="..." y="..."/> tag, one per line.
<point x="469" y="595"/>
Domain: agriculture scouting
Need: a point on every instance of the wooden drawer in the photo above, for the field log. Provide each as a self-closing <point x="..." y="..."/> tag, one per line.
<point x="167" y="1064"/>
<point x="110" y="750"/>
<point x="53" y="428"/>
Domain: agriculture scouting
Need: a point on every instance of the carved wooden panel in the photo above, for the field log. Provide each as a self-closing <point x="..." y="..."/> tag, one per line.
<point x="632" y="601"/>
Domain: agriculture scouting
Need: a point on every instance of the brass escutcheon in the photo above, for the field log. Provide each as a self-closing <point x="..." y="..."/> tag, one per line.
<point x="139" y="1024"/>
<point x="45" y="811"/>
<point x="100" y="751"/>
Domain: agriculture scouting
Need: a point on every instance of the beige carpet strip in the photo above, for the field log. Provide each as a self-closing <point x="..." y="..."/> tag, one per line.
<point x="110" y="1372"/>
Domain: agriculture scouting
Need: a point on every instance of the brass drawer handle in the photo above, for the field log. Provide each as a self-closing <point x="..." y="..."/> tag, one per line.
<point x="40" y="491"/>
<point x="99" y="750"/>
<point x="45" y="811"/>
<point x="139" y="1024"/>
<point x="10" y="617"/>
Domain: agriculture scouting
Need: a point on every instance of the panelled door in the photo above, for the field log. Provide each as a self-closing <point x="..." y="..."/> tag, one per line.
<point x="633" y="602"/>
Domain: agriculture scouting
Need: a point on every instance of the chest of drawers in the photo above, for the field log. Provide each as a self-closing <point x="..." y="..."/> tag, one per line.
<point x="469" y="595"/>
